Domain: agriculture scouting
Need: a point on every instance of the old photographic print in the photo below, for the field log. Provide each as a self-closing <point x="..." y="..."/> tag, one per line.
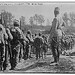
<point x="37" y="37"/>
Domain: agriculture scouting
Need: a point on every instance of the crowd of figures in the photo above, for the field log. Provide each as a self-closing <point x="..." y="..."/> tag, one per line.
<point x="15" y="45"/>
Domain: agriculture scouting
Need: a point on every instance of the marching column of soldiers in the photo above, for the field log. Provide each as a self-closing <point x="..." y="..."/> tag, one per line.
<point x="14" y="45"/>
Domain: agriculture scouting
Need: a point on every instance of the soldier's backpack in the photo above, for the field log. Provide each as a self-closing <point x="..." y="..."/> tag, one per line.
<point x="15" y="34"/>
<point x="1" y="36"/>
<point x="37" y="42"/>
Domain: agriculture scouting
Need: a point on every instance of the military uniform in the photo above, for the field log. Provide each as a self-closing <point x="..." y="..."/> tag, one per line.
<point x="28" y="45"/>
<point x="3" y="35"/>
<point x="37" y="43"/>
<point x="56" y="34"/>
<point x="22" y="40"/>
<point x="7" y="48"/>
<point x="44" y="47"/>
<point x="15" y="45"/>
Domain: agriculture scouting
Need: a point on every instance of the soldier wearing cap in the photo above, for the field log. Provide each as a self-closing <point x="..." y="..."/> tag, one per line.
<point x="56" y="34"/>
<point x="37" y="43"/>
<point x="14" y="47"/>
<point x="16" y="43"/>
<point x="44" y="46"/>
<point x="7" y="47"/>
<point x="29" y="43"/>
<point x="3" y="37"/>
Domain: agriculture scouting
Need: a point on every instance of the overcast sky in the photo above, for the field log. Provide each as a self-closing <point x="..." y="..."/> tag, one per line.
<point x="46" y="9"/>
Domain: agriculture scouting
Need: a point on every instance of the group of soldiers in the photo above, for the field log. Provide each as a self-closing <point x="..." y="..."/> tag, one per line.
<point x="15" y="45"/>
<point x="10" y="41"/>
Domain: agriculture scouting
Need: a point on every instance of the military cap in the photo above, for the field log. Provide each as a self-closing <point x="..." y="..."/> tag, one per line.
<point x="28" y="32"/>
<point x="39" y="34"/>
<point x="0" y="29"/>
<point x="16" y="23"/>
<point x="56" y="9"/>
<point x="43" y="36"/>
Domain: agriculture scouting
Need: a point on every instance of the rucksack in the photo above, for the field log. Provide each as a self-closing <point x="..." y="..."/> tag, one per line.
<point x="1" y="37"/>
<point x="37" y="41"/>
<point x="15" y="34"/>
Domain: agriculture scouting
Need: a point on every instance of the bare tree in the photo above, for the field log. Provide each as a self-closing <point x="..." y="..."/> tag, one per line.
<point x="6" y="18"/>
<point x="31" y="20"/>
<point x="72" y="18"/>
<point x="40" y="19"/>
<point x="65" y="18"/>
<point x="22" y="21"/>
<point x="36" y="18"/>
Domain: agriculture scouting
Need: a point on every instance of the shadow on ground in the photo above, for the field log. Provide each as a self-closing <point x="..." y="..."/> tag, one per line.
<point x="65" y="66"/>
<point x="35" y="65"/>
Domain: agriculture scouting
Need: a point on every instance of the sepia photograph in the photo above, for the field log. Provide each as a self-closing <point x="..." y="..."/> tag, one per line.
<point x="37" y="37"/>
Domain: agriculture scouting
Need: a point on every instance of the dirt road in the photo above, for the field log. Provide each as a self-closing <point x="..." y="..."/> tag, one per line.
<point x="66" y="65"/>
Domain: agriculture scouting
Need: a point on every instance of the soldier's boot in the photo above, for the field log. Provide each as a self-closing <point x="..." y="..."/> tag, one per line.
<point x="1" y="64"/>
<point x="20" y="54"/>
<point x="36" y="56"/>
<point x="1" y="67"/>
<point x="13" y="65"/>
<point x="44" y="55"/>
<point x="12" y="68"/>
<point x="4" y="65"/>
<point x="12" y="62"/>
